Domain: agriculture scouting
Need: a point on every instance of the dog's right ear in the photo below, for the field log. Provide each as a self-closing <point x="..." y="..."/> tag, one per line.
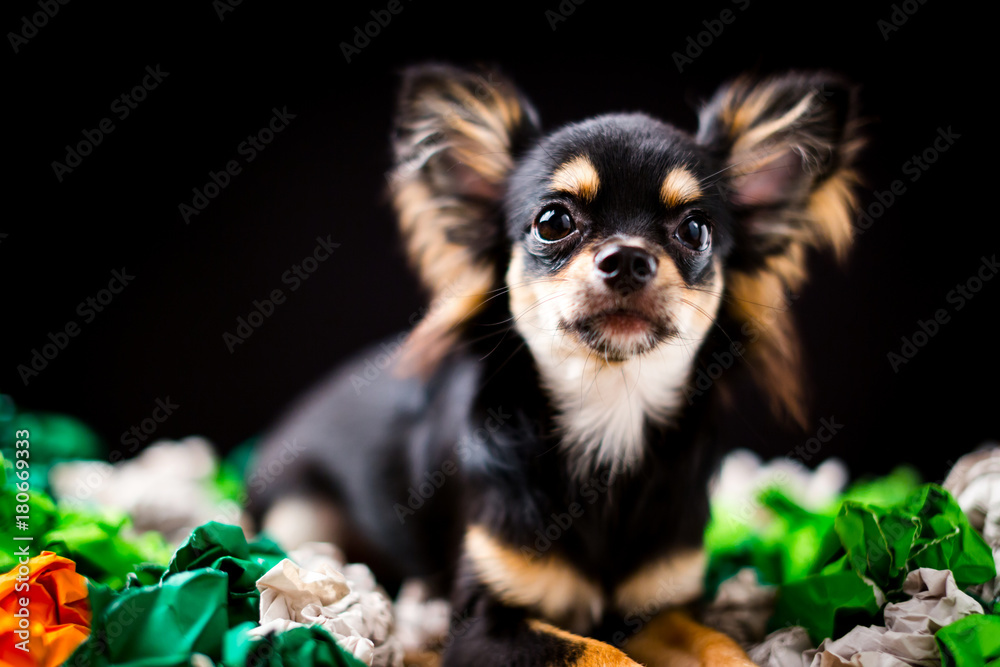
<point x="455" y="137"/>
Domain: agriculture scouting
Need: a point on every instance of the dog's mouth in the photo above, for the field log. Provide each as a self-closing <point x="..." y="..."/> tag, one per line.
<point x="620" y="333"/>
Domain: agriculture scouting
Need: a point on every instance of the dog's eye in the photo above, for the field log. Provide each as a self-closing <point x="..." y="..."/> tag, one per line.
<point x="693" y="232"/>
<point x="553" y="224"/>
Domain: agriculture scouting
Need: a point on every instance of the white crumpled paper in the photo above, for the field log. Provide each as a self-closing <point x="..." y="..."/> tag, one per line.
<point x="167" y="488"/>
<point x="743" y="476"/>
<point x="343" y="599"/>
<point x="906" y="639"/>
<point x="742" y="607"/>
<point x="975" y="483"/>
<point x="422" y="621"/>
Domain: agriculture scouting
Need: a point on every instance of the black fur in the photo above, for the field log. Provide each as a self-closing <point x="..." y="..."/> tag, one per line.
<point x="370" y="445"/>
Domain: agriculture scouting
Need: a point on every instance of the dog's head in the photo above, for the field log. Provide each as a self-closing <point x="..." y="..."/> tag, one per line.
<point x="622" y="234"/>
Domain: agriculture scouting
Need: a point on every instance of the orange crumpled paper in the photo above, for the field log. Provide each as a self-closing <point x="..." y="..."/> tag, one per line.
<point x="58" y="612"/>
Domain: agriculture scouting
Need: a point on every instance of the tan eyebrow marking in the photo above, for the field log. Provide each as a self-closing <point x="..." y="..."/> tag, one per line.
<point x="679" y="187"/>
<point x="577" y="177"/>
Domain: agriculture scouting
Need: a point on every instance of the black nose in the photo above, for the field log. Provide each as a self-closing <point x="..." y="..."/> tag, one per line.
<point x="625" y="268"/>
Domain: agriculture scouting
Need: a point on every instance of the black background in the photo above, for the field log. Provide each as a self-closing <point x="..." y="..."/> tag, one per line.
<point x="325" y="175"/>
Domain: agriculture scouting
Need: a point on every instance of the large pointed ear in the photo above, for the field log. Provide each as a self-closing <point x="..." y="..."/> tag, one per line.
<point x="455" y="138"/>
<point x="788" y="146"/>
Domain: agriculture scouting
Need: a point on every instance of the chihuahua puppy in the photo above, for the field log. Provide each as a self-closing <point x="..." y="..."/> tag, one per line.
<point x="536" y="447"/>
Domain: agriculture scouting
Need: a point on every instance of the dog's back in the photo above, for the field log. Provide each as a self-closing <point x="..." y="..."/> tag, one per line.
<point x="361" y="461"/>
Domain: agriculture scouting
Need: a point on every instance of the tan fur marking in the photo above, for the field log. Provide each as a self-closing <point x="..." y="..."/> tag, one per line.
<point x="595" y="653"/>
<point x="577" y="177"/>
<point x="673" y="580"/>
<point x="674" y="640"/>
<point x="476" y="127"/>
<point x="760" y="134"/>
<point x="458" y="285"/>
<point x="546" y="584"/>
<point x="760" y="299"/>
<point x="741" y="115"/>
<point x="680" y="187"/>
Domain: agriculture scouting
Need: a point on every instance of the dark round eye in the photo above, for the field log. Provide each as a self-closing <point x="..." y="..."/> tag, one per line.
<point x="554" y="223"/>
<point x="693" y="232"/>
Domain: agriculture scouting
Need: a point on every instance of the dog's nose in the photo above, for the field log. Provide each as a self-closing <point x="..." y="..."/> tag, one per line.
<point x="625" y="268"/>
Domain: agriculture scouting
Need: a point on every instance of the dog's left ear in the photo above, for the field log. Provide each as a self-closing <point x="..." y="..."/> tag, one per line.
<point x="455" y="137"/>
<point x="787" y="145"/>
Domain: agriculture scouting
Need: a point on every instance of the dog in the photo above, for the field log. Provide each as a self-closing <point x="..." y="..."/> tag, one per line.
<point x="535" y="447"/>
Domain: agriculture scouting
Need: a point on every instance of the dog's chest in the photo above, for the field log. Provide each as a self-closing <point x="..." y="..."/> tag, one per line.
<point x="602" y="409"/>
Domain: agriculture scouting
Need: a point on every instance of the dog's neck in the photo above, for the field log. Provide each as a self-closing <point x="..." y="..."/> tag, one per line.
<point x="603" y="408"/>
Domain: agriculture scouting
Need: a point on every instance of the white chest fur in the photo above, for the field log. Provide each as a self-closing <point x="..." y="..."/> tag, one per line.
<point x="603" y="407"/>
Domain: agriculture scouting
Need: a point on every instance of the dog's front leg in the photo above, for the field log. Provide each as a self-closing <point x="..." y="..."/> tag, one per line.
<point x="673" y="639"/>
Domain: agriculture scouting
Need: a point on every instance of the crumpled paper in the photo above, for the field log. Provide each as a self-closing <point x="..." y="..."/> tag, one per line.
<point x="743" y="477"/>
<point x="343" y="599"/>
<point x="741" y="608"/>
<point x="878" y="547"/>
<point x="970" y="642"/>
<point x="59" y="614"/>
<point x="54" y="437"/>
<point x="101" y="542"/>
<point x="421" y="621"/>
<point x="157" y="626"/>
<point x="778" y="517"/>
<point x="201" y="609"/>
<point x="907" y="638"/>
<point x="975" y="483"/>
<point x="305" y="646"/>
<point x="169" y="488"/>
<point x="225" y="548"/>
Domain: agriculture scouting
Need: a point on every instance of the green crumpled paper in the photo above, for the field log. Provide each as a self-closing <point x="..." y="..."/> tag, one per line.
<point x="100" y="542"/>
<point x="54" y="437"/>
<point x="299" y="647"/>
<point x="224" y="547"/>
<point x="971" y="642"/>
<point x="204" y="601"/>
<point x="929" y="529"/>
<point x="156" y="626"/>
<point x="837" y="566"/>
<point x="878" y="546"/>
<point x="793" y="542"/>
